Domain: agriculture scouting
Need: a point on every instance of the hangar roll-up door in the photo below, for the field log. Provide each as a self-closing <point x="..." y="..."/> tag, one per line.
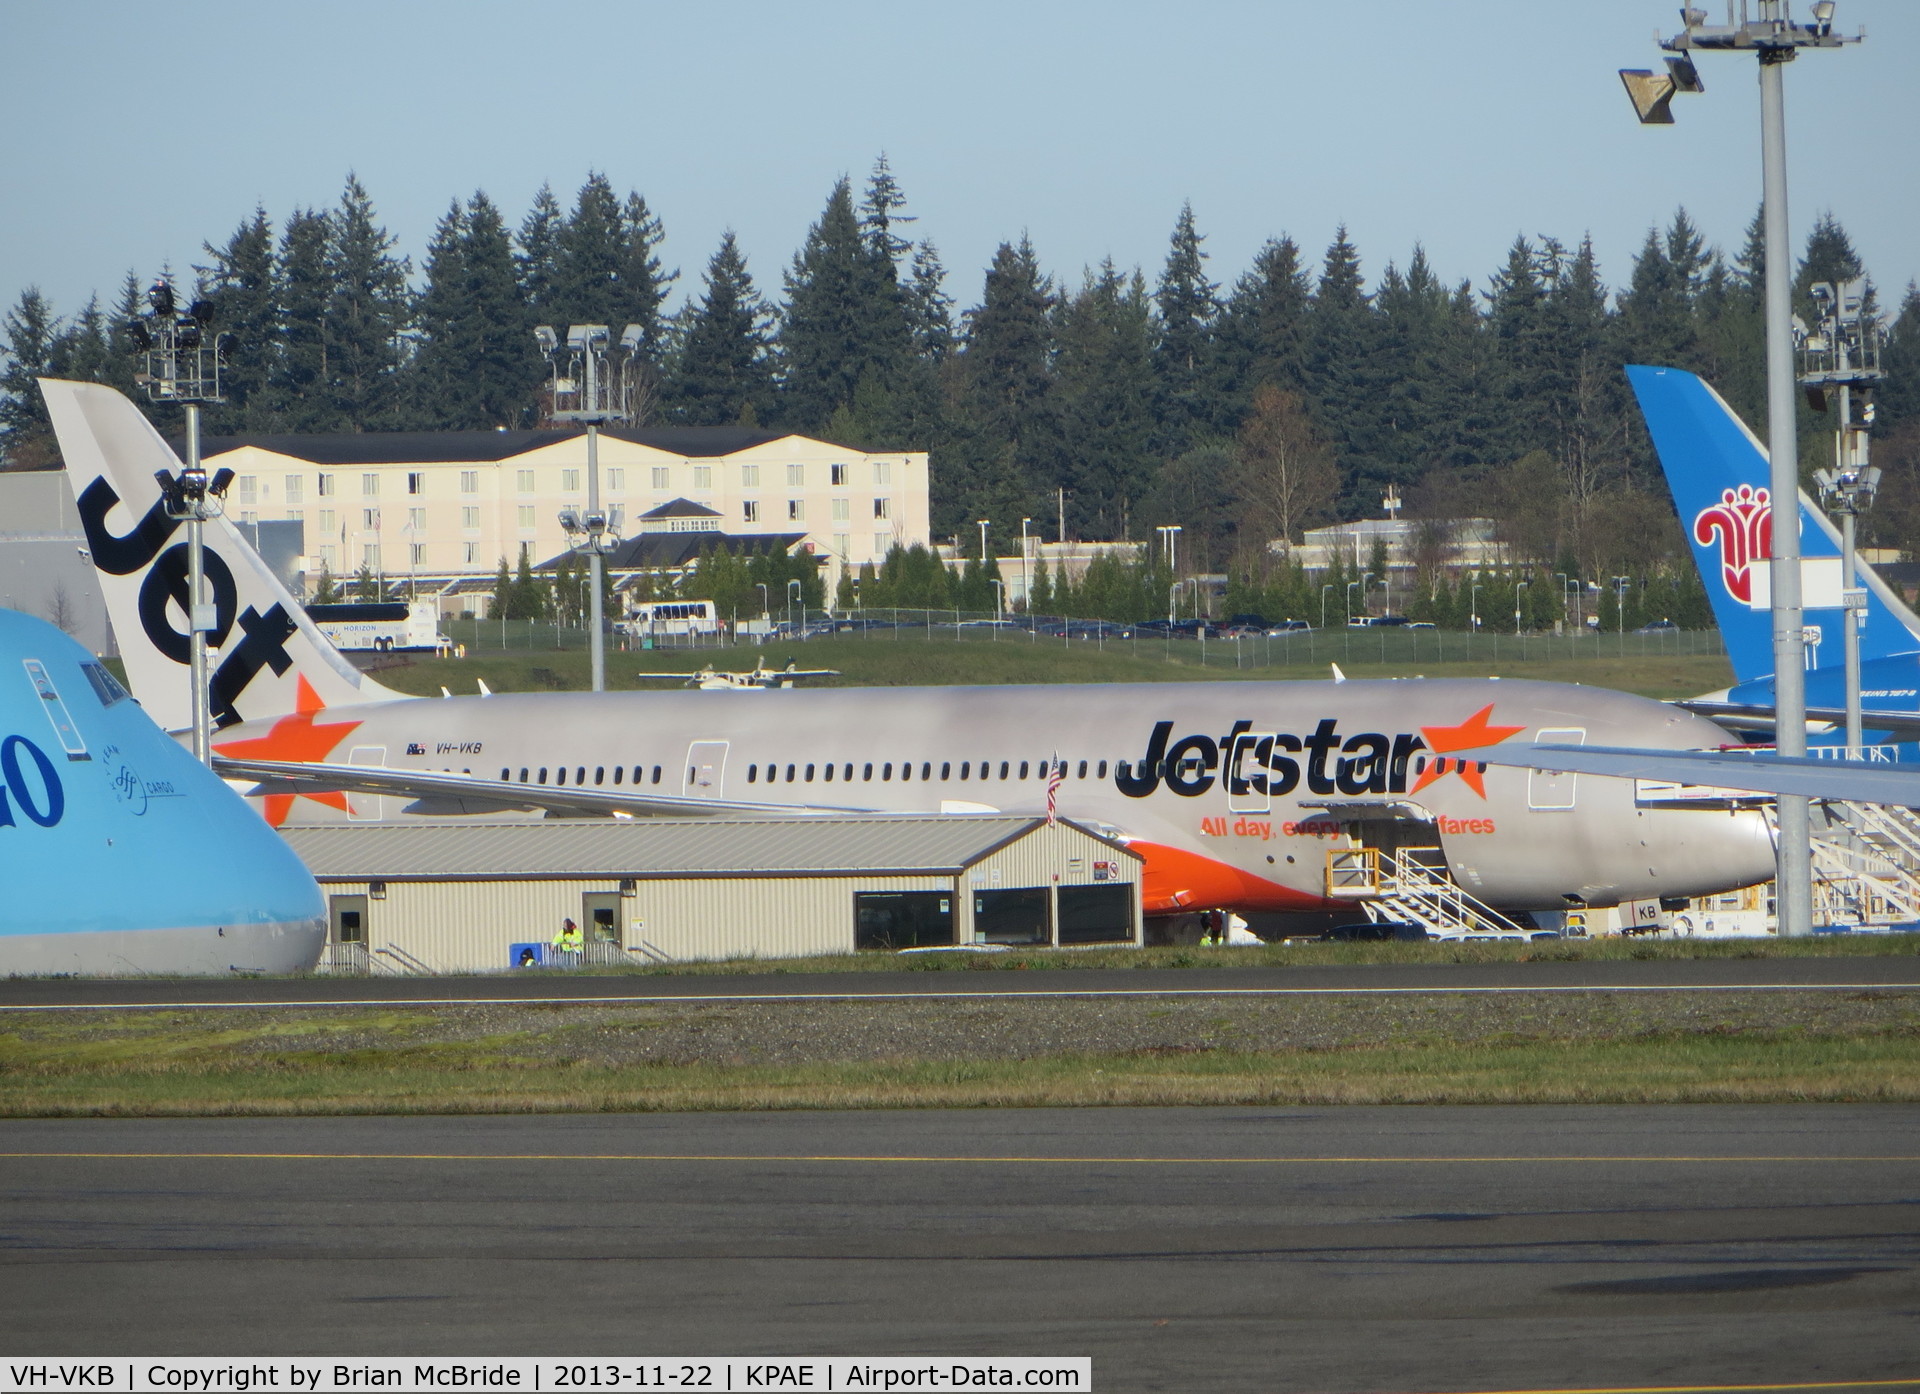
<point x="892" y="920"/>
<point x="1096" y="914"/>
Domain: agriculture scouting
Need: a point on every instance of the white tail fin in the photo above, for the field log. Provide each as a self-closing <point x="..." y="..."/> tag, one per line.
<point x="263" y="650"/>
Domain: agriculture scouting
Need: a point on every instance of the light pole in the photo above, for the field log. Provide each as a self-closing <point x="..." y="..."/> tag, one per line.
<point x="1518" y="587"/>
<point x="999" y="603"/>
<point x="794" y="592"/>
<point x="1170" y="544"/>
<point x="1841" y="357"/>
<point x="1775" y="40"/>
<point x="597" y="391"/>
<point x="983" y="541"/>
<point x="1026" y="586"/>
<point x="1323" y="603"/>
<point x="1620" y="584"/>
<point x="182" y="364"/>
<point x="766" y="611"/>
<point x="1473" y="608"/>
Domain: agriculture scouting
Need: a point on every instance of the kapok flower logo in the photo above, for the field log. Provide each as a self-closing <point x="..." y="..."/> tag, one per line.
<point x="1742" y="522"/>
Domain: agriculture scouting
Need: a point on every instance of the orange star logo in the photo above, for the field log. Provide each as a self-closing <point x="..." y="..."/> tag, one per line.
<point x="1470" y="734"/>
<point x="296" y="737"/>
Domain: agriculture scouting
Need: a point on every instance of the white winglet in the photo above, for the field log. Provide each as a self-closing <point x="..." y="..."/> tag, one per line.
<point x="1338" y="676"/>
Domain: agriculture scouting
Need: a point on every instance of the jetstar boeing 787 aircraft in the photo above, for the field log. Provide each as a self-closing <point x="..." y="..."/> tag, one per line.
<point x="1234" y="792"/>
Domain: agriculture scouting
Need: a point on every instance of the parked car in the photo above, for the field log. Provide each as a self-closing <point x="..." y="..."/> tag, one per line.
<point x="1656" y="627"/>
<point x="1368" y="931"/>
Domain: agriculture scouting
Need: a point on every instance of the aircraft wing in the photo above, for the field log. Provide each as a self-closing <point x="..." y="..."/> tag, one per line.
<point x="1853" y="781"/>
<point x="1902" y="726"/>
<point x="436" y="786"/>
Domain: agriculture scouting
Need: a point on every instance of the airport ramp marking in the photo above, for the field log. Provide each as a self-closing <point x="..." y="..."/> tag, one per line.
<point x="907" y="1159"/>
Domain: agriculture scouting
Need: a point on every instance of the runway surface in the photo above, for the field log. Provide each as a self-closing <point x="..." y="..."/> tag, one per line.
<point x="1191" y="1249"/>
<point x="1631" y="975"/>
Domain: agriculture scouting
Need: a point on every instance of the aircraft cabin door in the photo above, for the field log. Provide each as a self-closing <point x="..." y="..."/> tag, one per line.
<point x="364" y="808"/>
<point x="1244" y="772"/>
<point x="1554" y="789"/>
<point x="706" y="770"/>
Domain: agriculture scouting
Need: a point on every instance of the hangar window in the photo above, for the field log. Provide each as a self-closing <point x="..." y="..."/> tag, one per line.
<point x="1023" y="769"/>
<point x="867" y="772"/>
<point x="809" y="774"/>
<point x="752" y="772"/>
<point x="656" y="774"/>
<point x="946" y="769"/>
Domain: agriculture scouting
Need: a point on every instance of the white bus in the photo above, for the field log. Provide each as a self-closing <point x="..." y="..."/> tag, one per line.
<point x="676" y="617"/>
<point x="384" y="626"/>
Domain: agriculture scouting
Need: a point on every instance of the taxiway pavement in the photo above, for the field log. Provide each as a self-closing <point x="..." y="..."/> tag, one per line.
<point x="1184" y="1249"/>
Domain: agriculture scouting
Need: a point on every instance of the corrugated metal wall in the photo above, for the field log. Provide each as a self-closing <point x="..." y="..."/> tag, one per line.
<point x="778" y="917"/>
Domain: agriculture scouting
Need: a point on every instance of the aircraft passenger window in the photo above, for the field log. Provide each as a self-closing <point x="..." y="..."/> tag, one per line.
<point x="1420" y="765"/>
<point x="1483" y="766"/>
<point x="809" y="774"/>
<point x="580" y="775"/>
<point x="1023" y="769"/>
<point x="906" y="769"/>
<point x="926" y="769"/>
<point x="1083" y="770"/>
<point x="543" y="774"/>
<point x="789" y="774"/>
<point x="618" y="770"/>
<point x="965" y="765"/>
<point x="867" y="773"/>
<point x="599" y="774"/>
<point x="560" y="775"/>
<point x="750" y="773"/>
<point x="946" y="769"/>
<point x="1003" y="769"/>
<point x="886" y="770"/>
<point x="829" y="772"/>
<point x="523" y="775"/>
<point x="1103" y="769"/>
<point x="656" y="774"/>
<point x="504" y="776"/>
<point x="849" y="771"/>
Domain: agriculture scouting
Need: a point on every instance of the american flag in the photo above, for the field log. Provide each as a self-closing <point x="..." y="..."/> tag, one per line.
<point x="1055" y="772"/>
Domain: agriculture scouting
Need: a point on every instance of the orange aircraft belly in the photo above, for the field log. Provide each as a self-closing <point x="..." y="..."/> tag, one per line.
<point x="1175" y="879"/>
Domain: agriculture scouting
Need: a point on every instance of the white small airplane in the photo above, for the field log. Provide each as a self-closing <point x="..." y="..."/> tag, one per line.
<point x="1238" y="795"/>
<point x="758" y="679"/>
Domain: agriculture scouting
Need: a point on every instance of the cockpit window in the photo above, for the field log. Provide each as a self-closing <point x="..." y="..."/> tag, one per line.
<point x="105" y="686"/>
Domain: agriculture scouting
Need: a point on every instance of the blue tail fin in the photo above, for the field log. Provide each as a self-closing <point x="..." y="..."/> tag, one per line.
<point x="1718" y="473"/>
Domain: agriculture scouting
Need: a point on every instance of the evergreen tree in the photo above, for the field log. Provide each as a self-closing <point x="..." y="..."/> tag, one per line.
<point x="592" y="251"/>
<point x="326" y="590"/>
<point x="1000" y="453"/>
<point x="1339" y="365"/>
<point x="240" y="284"/>
<point x="1102" y="394"/>
<point x="929" y="307"/>
<point x="723" y="368"/>
<point x="845" y="318"/>
<point x="26" y="435"/>
<point x="475" y="367"/>
<point x="1656" y="310"/>
<point x="300" y="372"/>
<point x="1899" y="395"/>
<point x="644" y="283"/>
<point x="1183" y="351"/>
<point x="880" y="211"/>
<point x="1263" y="325"/>
<point x="366" y="312"/>
<point x="537" y="262"/>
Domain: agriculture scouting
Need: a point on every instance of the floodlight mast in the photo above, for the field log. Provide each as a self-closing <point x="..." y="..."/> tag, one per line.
<point x="181" y="363"/>
<point x="596" y="390"/>
<point x="1775" y="39"/>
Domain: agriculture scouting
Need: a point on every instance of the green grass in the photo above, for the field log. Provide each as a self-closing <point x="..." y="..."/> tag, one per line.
<point x="491" y="1077"/>
<point x="1655" y="666"/>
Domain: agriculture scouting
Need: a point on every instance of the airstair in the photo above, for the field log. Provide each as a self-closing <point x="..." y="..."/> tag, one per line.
<point x="1867" y="866"/>
<point x="1410" y="884"/>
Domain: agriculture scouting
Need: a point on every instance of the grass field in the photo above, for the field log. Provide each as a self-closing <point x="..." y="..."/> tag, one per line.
<point x="1663" y="666"/>
<point x="1586" y="1048"/>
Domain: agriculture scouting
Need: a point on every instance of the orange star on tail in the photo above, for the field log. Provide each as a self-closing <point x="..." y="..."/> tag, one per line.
<point x="1470" y="734"/>
<point x="296" y="737"/>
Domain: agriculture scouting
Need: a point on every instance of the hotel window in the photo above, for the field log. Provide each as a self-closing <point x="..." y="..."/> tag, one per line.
<point x="703" y="476"/>
<point x="883" y="508"/>
<point x="797" y="475"/>
<point x="370" y="486"/>
<point x="470" y="519"/>
<point x="417" y="519"/>
<point x="473" y="553"/>
<point x="416" y="482"/>
<point x="883" y="472"/>
<point x="840" y="511"/>
<point x="294" y="486"/>
<point x="839" y="474"/>
<point x="469" y="481"/>
<point x="296" y="515"/>
<point x="247" y="487"/>
<point x="370" y="519"/>
<point x="523" y="481"/>
<point x="327" y="557"/>
<point x="796" y="510"/>
<point x="249" y="517"/>
<point x="750" y="511"/>
<point x="569" y="481"/>
<point x="419" y="554"/>
<point x="842" y="544"/>
<point x="370" y="556"/>
<point x="327" y="522"/>
<point x="750" y="476"/>
<point x="662" y="477"/>
<point x="526" y="515"/>
<point x="326" y="486"/>
<point x="616" y="481"/>
<point x="882" y="543"/>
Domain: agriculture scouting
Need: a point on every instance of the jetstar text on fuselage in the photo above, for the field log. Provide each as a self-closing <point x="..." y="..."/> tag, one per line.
<point x="1328" y="762"/>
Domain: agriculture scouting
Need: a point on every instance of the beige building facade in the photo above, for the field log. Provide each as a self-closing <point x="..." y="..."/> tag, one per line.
<point x="454" y="503"/>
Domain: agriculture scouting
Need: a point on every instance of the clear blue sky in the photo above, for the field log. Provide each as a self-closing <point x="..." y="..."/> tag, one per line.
<point x="136" y="131"/>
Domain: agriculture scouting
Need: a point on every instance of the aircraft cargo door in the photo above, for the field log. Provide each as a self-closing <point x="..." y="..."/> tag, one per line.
<point x="706" y="770"/>
<point x="1554" y="789"/>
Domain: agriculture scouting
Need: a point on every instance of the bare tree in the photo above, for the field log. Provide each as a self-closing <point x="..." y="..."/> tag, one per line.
<point x="1285" y="473"/>
<point x="62" y="613"/>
